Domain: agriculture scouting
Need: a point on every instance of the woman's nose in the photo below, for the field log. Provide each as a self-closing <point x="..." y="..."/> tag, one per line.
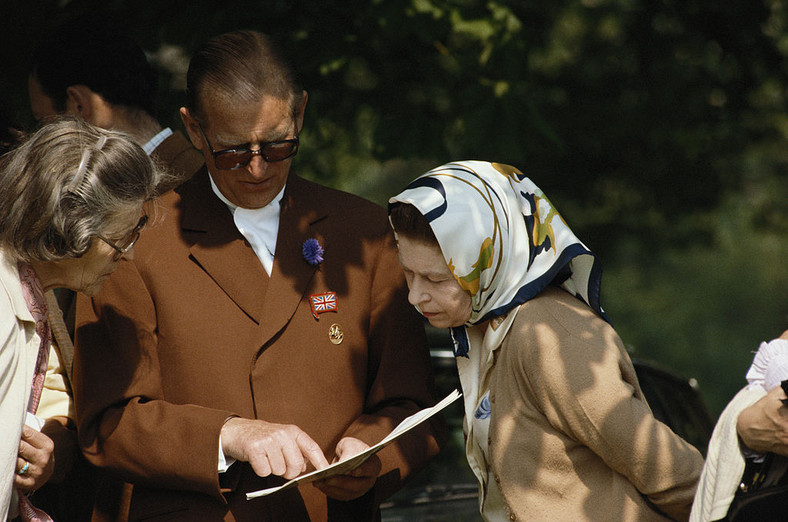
<point x="416" y="295"/>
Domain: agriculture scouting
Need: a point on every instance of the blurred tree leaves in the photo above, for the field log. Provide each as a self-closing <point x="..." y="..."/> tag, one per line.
<point x="658" y="127"/>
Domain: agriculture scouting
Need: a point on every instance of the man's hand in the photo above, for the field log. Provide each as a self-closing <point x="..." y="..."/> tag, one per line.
<point x="35" y="451"/>
<point x="271" y="449"/>
<point x="358" y="481"/>
<point x="764" y="425"/>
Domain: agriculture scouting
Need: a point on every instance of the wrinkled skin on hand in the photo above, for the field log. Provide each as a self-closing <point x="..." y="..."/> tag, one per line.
<point x="271" y="449"/>
<point x="36" y="449"/>
<point x="358" y="481"/>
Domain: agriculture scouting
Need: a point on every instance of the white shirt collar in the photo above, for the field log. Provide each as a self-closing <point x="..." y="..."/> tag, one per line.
<point x="260" y="226"/>
<point x="156" y="141"/>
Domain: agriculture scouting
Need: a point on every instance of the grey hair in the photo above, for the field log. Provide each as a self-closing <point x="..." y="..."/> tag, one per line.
<point x="67" y="183"/>
<point x="240" y="67"/>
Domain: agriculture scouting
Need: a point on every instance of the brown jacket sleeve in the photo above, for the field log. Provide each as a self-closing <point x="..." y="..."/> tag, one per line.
<point x="123" y="422"/>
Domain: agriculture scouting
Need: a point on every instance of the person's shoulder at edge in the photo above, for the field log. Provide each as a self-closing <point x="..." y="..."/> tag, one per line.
<point x="7" y="308"/>
<point x="8" y="324"/>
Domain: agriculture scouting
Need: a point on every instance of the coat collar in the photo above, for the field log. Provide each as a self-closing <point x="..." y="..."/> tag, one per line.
<point x="9" y="280"/>
<point x="224" y="254"/>
<point x="291" y="274"/>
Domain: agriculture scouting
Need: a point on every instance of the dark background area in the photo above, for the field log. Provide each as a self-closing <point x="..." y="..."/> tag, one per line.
<point x="658" y="129"/>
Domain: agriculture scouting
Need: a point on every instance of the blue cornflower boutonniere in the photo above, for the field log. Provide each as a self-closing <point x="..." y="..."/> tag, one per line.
<point x="312" y="251"/>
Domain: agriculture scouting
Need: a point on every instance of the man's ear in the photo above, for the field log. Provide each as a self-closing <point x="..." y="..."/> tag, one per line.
<point x="300" y="113"/>
<point x="78" y="102"/>
<point x="82" y="101"/>
<point x="192" y="129"/>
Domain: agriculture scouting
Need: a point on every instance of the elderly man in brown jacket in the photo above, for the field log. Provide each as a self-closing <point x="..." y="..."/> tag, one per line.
<point x="262" y="328"/>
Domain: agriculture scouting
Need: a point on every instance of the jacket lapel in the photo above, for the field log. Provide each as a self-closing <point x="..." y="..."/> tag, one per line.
<point x="220" y="249"/>
<point x="291" y="273"/>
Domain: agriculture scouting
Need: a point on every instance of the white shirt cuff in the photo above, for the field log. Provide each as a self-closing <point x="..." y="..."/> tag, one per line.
<point x="224" y="461"/>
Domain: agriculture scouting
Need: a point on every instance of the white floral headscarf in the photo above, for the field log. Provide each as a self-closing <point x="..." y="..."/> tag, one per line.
<point x="501" y="238"/>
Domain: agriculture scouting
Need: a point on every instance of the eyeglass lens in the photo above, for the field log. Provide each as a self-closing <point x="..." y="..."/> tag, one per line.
<point x="271" y="152"/>
<point x="135" y="234"/>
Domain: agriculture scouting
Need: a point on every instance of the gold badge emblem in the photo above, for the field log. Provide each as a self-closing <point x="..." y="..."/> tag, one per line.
<point x="335" y="334"/>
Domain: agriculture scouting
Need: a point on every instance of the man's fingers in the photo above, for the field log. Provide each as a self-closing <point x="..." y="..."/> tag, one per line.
<point x="278" y="462"/>
<point x="369" y="468"/>
<point x="260" y="465"/>
<point x="345" y="487"/>
<point x="311" y="450"/>
<point x="271" y="449"/>
<point x="293" y="459"/>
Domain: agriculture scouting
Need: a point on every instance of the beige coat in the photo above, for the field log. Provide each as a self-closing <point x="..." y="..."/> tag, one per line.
<point x="571" y="436"/>
<point x="19" y="345"/>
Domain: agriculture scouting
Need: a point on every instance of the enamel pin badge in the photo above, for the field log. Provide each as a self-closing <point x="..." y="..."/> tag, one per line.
<point x="321" y="303"/>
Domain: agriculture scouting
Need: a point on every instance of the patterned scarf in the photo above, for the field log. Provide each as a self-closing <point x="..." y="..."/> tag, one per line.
<point x="36" y="304"/>
<point x="502" y="239"/>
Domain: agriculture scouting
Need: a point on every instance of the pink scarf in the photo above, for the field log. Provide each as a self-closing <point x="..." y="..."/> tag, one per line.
<point x="37" y="305"/>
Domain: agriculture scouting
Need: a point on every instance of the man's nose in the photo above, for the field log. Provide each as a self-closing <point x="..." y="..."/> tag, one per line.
<point x="257" y="166"/>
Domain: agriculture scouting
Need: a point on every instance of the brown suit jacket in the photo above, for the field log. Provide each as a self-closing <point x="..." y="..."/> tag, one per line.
<point x="194" y="331"/>
<point x="74" y="497"/>
<point x="177" y="154"/>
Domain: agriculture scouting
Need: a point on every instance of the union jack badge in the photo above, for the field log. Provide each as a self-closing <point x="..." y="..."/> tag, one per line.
<point x="325" y="302"/>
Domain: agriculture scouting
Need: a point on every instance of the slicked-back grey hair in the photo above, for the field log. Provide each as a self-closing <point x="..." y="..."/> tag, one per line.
<point x="66" y="183"/>
<point x="239" y="67"/>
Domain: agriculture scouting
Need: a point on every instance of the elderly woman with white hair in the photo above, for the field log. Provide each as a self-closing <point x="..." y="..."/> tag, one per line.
<point x="71" y="207"/>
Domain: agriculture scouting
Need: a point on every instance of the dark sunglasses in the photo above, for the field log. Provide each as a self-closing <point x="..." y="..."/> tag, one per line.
<point x="238" y="158"/>
<point x="129" y="240"/>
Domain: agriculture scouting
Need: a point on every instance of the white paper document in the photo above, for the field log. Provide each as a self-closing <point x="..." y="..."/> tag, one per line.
<point x="344" y="466"/>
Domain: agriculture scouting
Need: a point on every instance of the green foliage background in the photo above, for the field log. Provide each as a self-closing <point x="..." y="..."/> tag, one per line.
<point x="658" y="128"/>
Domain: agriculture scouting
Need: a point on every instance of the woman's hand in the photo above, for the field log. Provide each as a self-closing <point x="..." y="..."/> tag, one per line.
<point x="764" y="425"/>
<point x="358" y="481"/>
<point x="35" y="452"/>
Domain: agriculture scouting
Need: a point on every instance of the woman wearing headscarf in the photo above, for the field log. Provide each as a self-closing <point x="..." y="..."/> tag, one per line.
<point x="71" y="207"/>
<point x="556" y="424"/>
